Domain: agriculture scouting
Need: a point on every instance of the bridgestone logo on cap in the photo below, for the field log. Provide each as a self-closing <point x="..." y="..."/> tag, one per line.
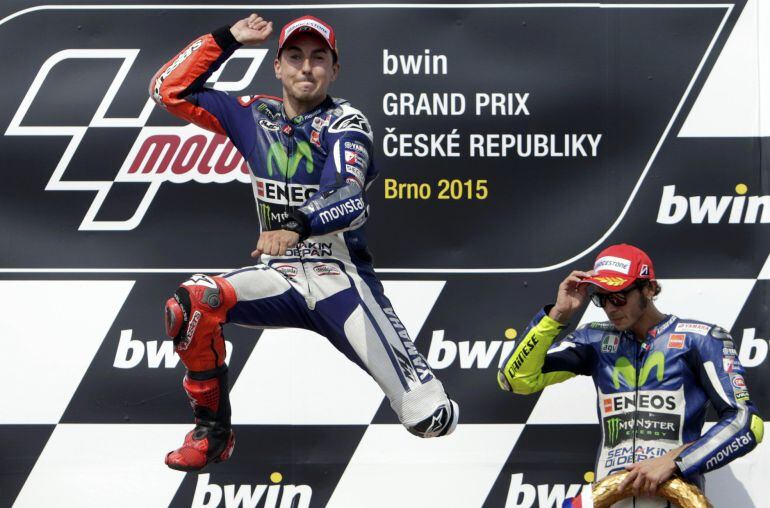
<point x="309" y="23"/>
<point x="612" y="263"/>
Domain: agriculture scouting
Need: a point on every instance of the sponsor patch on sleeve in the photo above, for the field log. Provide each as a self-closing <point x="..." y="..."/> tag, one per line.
<point x="610" y="343"/>
<point x="698" y="328"/>
<point x="354" y="122"/>
<point x="676" y="341"/>
<point x="742" y="395"/>
<point x="355" y="145"/>
<point x="740" y="390"/>
<point x="356" y="153"/>
<point x="351" y="157"/>
<point x="355" y="173"/>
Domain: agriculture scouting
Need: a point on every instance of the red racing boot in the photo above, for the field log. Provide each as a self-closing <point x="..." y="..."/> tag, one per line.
<point x="212" y="439"/>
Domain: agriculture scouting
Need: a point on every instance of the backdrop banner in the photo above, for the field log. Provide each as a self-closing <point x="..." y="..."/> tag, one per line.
<point x="515" y="141"/>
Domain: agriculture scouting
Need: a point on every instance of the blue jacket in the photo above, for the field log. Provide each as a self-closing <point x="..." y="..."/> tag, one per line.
<point x="309" y="173"/>
<point x="652" y="394"/>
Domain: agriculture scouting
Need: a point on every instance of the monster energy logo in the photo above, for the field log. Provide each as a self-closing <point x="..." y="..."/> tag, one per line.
<point x="278" y="158"/>
<point x="642" y="425"/>
<point x="264" y="212"/>
<point x="623" y="367"/>
<point x="613" y="431"/>
<point x="266" y="110"/>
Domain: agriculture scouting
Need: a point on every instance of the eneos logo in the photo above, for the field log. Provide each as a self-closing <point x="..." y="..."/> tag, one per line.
<point x="651" y="415"/>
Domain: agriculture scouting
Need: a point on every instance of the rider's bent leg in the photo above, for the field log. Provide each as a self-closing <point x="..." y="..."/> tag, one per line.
<point x="194" y="318"/>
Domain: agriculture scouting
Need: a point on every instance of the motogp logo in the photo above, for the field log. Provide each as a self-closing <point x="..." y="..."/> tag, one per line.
<point x="158" y="154"/>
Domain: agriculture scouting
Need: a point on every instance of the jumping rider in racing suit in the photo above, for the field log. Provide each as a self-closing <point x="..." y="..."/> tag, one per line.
<point x="655" y="375"/>
<point x="311" y="161"/>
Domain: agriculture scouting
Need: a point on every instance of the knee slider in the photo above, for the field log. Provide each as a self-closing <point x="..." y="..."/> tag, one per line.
<point x="442" y="422"/>
<point x="177" y="313"/>
<point x="200" y="295"/>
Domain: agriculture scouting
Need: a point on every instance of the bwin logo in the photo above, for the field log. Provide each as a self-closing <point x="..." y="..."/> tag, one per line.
<point x="479" y="354"/>
<point x="211" y="495"/>
<point x="713" y="209"/>
<point x="524" y="495"/>
<point x="131" y="351"/>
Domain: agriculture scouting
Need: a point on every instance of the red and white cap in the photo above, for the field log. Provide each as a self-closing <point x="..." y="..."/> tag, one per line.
<point x="308" y="24"/>
<point x="618" y="266"/>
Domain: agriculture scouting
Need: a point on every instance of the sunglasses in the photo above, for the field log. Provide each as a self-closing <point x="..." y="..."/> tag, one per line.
<point x="618" y="299"/>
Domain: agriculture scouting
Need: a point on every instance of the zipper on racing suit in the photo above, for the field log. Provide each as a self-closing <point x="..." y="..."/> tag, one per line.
<point x="290" y="148"/>
<point x="641" y="354"/>
<point x="637" y="358"/>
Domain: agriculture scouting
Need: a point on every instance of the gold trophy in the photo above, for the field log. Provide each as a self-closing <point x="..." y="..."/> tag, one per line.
<point x="675" y="490"/>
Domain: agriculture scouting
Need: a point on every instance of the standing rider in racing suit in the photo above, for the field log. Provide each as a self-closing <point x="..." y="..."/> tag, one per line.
<point x="310" y="160"/>
<point x="655" y="375"/>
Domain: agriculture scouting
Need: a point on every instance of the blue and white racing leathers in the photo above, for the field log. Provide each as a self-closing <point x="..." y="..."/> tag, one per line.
<point x="309" y="175"/>
<point x="652" y="395"/>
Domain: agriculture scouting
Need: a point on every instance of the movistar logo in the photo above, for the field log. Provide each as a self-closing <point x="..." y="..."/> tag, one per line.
<point x="277" y="158"/>
<point x="623" y="367"/>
